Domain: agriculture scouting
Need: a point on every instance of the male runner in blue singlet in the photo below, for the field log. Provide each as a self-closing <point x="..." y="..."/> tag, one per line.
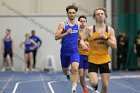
<point x="68" y="32"/>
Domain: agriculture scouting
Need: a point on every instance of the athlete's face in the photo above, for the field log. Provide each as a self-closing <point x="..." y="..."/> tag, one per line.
<point x="71" y="14"/>
<point x="83" y="22"/>
<point x="33" y="32"/>
<point x="7" y="33"/>
<point x="27" y="36"/>
<point x="100" y="16"/>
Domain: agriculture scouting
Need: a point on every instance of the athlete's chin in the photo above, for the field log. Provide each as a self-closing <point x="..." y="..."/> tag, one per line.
<point x="82" y="26"/>
<point x="101" y="21"/>
<point x="71" y="18"/>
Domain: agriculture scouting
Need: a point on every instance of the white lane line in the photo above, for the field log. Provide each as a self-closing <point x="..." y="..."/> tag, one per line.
<point x="3" y="80"/>
<point x="90" y="88"/>
<point x="123" y="85"/>
<point x="18" y="83"/>
<point x="52" y="90"/>
<point x="16" y="86"/>
<point x="50" y="84"/>
<point x="6" y="80"/>
<point x="127" y="76"/>
<point x="121" y="77"/>
<point x="6" y="84"/>
<point x="112" y="77"/>
<point x="42" y="79"/>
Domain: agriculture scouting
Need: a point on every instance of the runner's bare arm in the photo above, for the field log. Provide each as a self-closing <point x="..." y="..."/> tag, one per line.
<point x="59" y="33"/>
<point x="2" y="45"/>
<point x="112" y="40"/>
<point x="83" y="41"/>
<point x="12" y="45"/>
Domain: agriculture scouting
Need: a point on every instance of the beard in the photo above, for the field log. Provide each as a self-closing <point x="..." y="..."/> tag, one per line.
<point x="71" y="18"/>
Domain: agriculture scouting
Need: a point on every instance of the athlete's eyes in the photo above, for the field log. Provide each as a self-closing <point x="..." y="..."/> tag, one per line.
<point x="83" y="21"/>
<point x="100" y="14"/>
<point x="72" y="12"/>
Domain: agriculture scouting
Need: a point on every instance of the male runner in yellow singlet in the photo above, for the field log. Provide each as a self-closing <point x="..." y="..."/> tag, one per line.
<point x="101" y="38"/>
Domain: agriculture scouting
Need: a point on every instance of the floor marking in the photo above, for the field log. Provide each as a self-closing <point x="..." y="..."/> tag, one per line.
<point x="42" y="79"/>
<point x="123" y="85"/>
<point x="50" y="84"/>
<point x="6" y="84"/>
<point x="18" y="83"/>
<point x="112" y="77"/>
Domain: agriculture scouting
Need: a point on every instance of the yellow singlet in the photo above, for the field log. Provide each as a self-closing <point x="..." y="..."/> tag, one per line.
<point x="99" y="48"/>
<point x="86" y="53"/>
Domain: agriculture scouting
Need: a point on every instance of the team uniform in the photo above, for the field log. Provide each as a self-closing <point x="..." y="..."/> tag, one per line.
<point x="69" y="48"/>
<point x="99" y="56"/>
<point x="8" y="46"/>
<point x="37" y="40"/>
<point x="28" y="46"/>
<point x="83" y="58"/>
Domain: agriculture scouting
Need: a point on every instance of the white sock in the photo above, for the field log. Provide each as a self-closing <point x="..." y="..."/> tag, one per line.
<point x="74" y="85"/>
<point x="68" y="73"/>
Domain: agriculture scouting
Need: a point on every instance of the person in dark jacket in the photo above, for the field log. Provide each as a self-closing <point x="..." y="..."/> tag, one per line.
<point x="39" y="42"/>
<point x="122" y="48"/>
<point x="137" y="48"/>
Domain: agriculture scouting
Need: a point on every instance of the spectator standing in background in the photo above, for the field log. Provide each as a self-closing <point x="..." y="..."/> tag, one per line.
<point x="28" y="46"/>
<point x="7" y="49"/>
<point x="122" y="48"/>
<point x="39" y="42"/>
<point x="137" y="48"/>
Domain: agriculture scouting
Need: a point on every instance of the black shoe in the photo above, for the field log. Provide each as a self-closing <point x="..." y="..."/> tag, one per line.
<point x="68" y="77"/>
<point x="74" y="91"/>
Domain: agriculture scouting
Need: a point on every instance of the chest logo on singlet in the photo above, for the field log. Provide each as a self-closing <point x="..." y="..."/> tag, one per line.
<point x="100" y="40"/>
<point x="74" y="31"/>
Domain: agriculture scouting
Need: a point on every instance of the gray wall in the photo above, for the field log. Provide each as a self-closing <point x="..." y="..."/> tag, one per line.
<point x="50" y="7"/>
<point x="42" y="16"/>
